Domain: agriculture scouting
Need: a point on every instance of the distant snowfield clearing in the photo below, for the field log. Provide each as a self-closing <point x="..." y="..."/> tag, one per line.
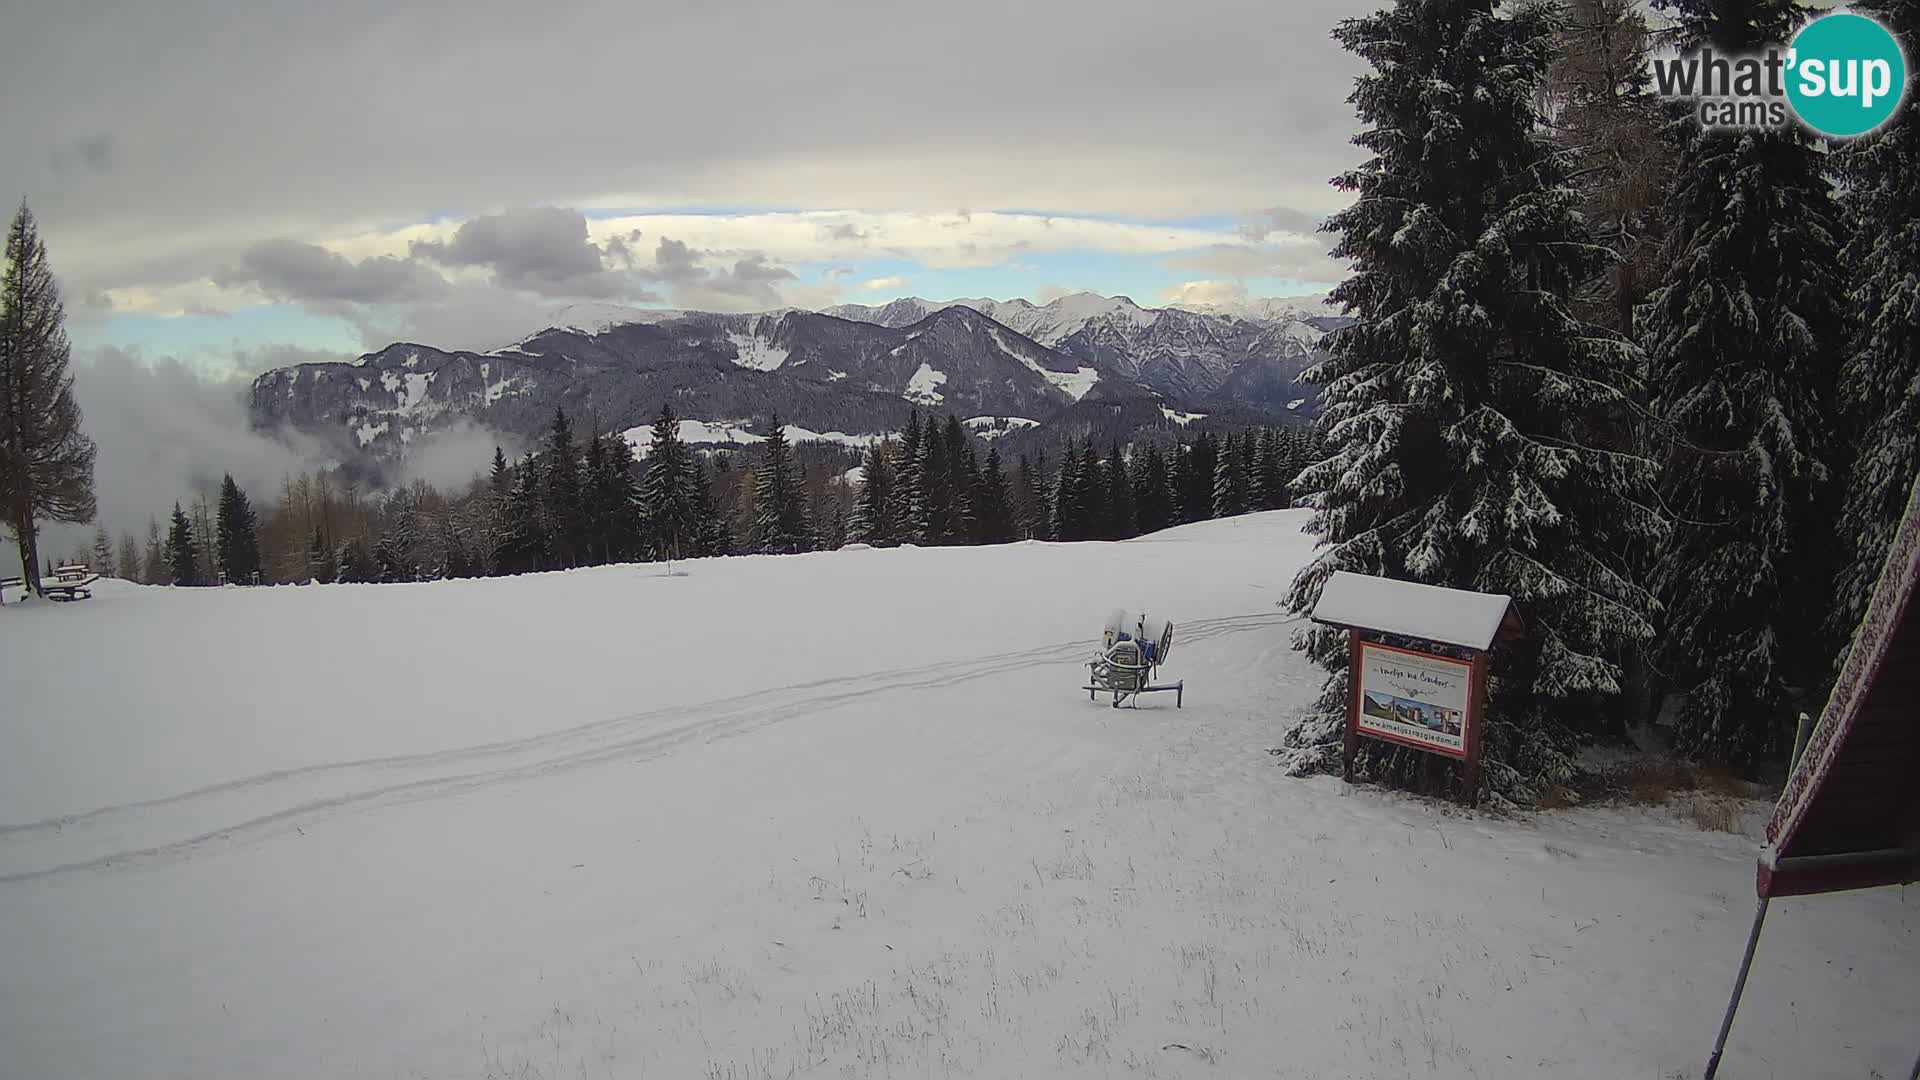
<point x="843" y="814"/>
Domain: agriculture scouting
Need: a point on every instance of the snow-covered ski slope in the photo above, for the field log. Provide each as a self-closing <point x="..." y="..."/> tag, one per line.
<point x="827" y="815"/>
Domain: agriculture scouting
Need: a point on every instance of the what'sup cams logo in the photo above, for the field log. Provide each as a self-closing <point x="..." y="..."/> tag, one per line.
<point x="1842" y="75"/>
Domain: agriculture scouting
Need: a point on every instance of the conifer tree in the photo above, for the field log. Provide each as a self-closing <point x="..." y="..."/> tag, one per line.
<point x="1229" y="489"/>
<point x="933" y="502"/>
<point x="1743" y="339"/>
<point x="908" y="500"/>
<point x="183" y="562"/>
<point x="1093" y="493"/>
<point x="1459" y="403"/>
<point x="995" y="503"/>
<point x="1880" y="396"/>
<point x="46" y="461"/>
<point x="668" y="496"/>
<point x="154" y="568"/>
<point x="959" y="486"/>
<point x="780" y="522"/>
<point x="101" y="559"/>
<point x="560" y="500"/>
<point x="1034" y="507"/>
<point x="1202" y="464"/>
<point x="237" y="533"/>
<point x="129" y="565"/>
<point x="1069" y="494"/>
<point x="873" y="509"/>
<point x="1121" y="511"/>
<point x="972" y="529"/>
<point x="1152" y="495"/>
<point x="354" y="564"/>
<point x="716" y="525"/>
<point x="1271" y="479"/>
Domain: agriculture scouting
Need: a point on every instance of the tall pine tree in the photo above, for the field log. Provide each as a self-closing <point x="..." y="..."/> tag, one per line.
<point x="183" y="562"/>
<point x="1121" y="512"/>
<point x="560" y="467"/>
<point x="995" y="504"/>
<point x="873" y="509"/>
<point x="1743" y="340"/>
<point x="1457" y="404"/>
<point x="1152" y="493"/>
<point x="668" y="496"/>
<point x="237" y="532"/>
<point x="780" y="521"/>
<point x="1069" y="499"/>
<point x="1880" y="395"/>
<point x="908" y="503"/>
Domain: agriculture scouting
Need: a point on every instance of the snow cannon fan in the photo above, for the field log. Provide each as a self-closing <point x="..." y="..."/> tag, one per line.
<point x="1131" y="652"/>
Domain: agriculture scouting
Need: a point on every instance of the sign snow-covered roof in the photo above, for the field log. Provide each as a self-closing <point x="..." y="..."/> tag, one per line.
<point x="1470" y="620"/>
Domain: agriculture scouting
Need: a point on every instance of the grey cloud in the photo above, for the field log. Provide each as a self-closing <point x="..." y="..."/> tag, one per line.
<point x="93" y="155"/>
<point x="1246" y="97"/>
<point x="844" y="231"/>
<point x="621" y="248"/>
<point x="542" y="249"/>
<point x="293" y="270"/>
<point x="748" y="285"/>
<point x="1279" y="219"/>
<point x="1305" y="261"/>
<point x="475" y="315"/>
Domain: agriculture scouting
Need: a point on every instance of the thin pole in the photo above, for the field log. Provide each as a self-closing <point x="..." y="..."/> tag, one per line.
<point x="1739" y="987"/>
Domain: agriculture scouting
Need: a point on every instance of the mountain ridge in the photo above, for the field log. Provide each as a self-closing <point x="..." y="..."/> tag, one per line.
<point x="857" y="369"/>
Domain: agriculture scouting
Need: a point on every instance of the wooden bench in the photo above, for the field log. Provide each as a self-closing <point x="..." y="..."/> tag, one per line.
<point x="65" y="586"/>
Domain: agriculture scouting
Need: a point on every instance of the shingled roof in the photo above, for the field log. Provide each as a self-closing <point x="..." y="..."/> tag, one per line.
<point x="1849" y="817"/>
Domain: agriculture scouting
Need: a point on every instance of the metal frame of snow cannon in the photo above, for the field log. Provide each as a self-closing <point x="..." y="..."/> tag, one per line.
<point x="1130" y="656"/>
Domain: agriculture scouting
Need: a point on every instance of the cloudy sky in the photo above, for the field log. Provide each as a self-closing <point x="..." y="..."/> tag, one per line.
<point x="230" y="185"/>
<point x="224" y="182"/>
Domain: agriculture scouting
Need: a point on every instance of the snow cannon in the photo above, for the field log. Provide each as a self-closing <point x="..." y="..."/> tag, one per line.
<point x="1131" y="652"/>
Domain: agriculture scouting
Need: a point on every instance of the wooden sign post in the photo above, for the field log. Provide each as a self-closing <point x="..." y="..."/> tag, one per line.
<point x="1429" y="693"/>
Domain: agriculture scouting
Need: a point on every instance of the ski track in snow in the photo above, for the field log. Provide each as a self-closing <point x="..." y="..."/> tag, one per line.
<point x="583" y="746"/>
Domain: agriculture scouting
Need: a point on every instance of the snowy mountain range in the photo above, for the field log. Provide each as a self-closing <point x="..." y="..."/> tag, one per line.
<point x="851" y="368"/>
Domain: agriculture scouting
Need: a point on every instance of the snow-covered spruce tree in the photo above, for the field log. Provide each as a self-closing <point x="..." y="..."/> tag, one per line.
<point x="780" y="516"/>
<point x="667" y="496"/>
<point x="1455" y="405"/>
<point x="1068" y="508"/>
<point x="1230" y="478"/>
<point x="1152" y="502"/>
<point x="1201" y="462"/>
<point x="237" y="530"/>
<point x="932" y="513"/>
<point x="1036" y="504"/>
<point x="962" y="468"/>
<point x="560" y="498"/>
<point x="1122" y="514"/>
<point x="995" y="503"/>
<point x="872" y="521"/>
<point x="1880" y="383"/>
<point x="1093" y="493"/>
<point x="183" y="563"/>
<point x="1743" y="342"/>
<point x="909" y="527"/>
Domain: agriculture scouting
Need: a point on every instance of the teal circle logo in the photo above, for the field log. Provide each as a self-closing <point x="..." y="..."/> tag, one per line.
<point x="1846" y="74"/>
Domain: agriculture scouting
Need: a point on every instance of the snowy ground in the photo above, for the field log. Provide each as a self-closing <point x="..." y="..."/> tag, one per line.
<point x="827" y="815"/>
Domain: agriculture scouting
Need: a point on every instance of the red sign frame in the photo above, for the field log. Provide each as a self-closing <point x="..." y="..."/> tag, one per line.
<point x="1475" y="711"/>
